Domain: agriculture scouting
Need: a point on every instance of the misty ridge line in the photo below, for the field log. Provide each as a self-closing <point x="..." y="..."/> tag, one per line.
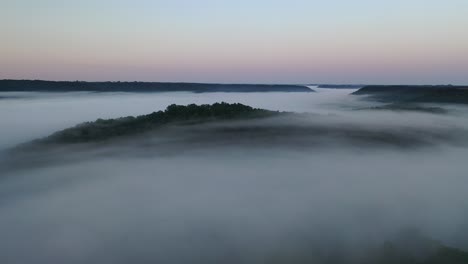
<point x="223" y="120"/>
<point x="404" y="94"/>
<point x="117" y="86"/>
<point x="133" y="129"/>
<point x="190" y="114"/>
<point x="193" y="128"/>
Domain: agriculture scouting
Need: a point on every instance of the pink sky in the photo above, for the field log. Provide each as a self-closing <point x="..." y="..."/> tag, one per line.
<point x="251" y="41"/>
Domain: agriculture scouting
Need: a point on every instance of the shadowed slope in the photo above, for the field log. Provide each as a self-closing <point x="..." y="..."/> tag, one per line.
<point x="416" y="94"/>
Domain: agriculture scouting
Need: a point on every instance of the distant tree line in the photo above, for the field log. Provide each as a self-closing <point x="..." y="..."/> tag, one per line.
<point x="417" y="94"/>
<point x="52" y="86"/>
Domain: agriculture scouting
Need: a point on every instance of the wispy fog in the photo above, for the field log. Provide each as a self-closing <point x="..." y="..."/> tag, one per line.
<point x="231" y="201"/>
<point x="27" y="115"/>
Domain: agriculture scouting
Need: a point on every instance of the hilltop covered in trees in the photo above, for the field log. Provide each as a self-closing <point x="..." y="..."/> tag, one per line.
<point x="238" y="124"/>
<point x="110" y="128"/>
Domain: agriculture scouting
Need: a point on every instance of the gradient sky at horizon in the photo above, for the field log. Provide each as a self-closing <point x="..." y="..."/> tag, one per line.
<point x="242" y="41"/>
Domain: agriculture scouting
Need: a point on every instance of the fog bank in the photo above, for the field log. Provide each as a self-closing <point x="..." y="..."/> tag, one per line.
<point x="209" y="201"/>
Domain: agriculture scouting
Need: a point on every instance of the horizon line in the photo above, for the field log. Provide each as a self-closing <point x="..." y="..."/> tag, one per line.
<point x="231" y="83"/>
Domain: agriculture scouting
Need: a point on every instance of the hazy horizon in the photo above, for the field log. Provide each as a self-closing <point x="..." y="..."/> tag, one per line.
<point x="363" y="42"/>
<point x="309" y="84"/>
<point x="243" y="132"/>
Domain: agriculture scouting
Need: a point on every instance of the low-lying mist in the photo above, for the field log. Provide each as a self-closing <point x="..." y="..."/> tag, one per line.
<point x="27" y="115"/>
<point x="213" y="193"/>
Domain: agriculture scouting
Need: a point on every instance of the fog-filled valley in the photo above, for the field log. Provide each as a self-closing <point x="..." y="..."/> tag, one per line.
<point x="334" y="182"/>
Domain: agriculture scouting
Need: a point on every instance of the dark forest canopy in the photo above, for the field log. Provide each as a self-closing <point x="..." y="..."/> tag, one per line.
<point x="238" y="124"/>
<point x="416" y="94"/>
<point x="408" y="107"/>
<point x="110" y="128"/>
<point x="66" y="86"/>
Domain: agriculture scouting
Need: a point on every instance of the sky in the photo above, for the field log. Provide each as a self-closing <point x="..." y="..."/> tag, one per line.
<point x="242" y="41"/>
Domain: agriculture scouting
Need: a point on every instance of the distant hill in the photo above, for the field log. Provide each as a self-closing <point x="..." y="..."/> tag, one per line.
<point x="62" y="86"/>
<point x="417" y="94"/>
<point x="407" y="107"/>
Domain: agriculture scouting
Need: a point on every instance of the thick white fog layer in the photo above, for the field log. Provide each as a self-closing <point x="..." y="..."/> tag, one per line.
<point x="26" y="115"/>
<point x="230" y="204"/>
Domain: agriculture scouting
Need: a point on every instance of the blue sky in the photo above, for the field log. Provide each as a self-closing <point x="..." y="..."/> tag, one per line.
<point x="258" y="41"/>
